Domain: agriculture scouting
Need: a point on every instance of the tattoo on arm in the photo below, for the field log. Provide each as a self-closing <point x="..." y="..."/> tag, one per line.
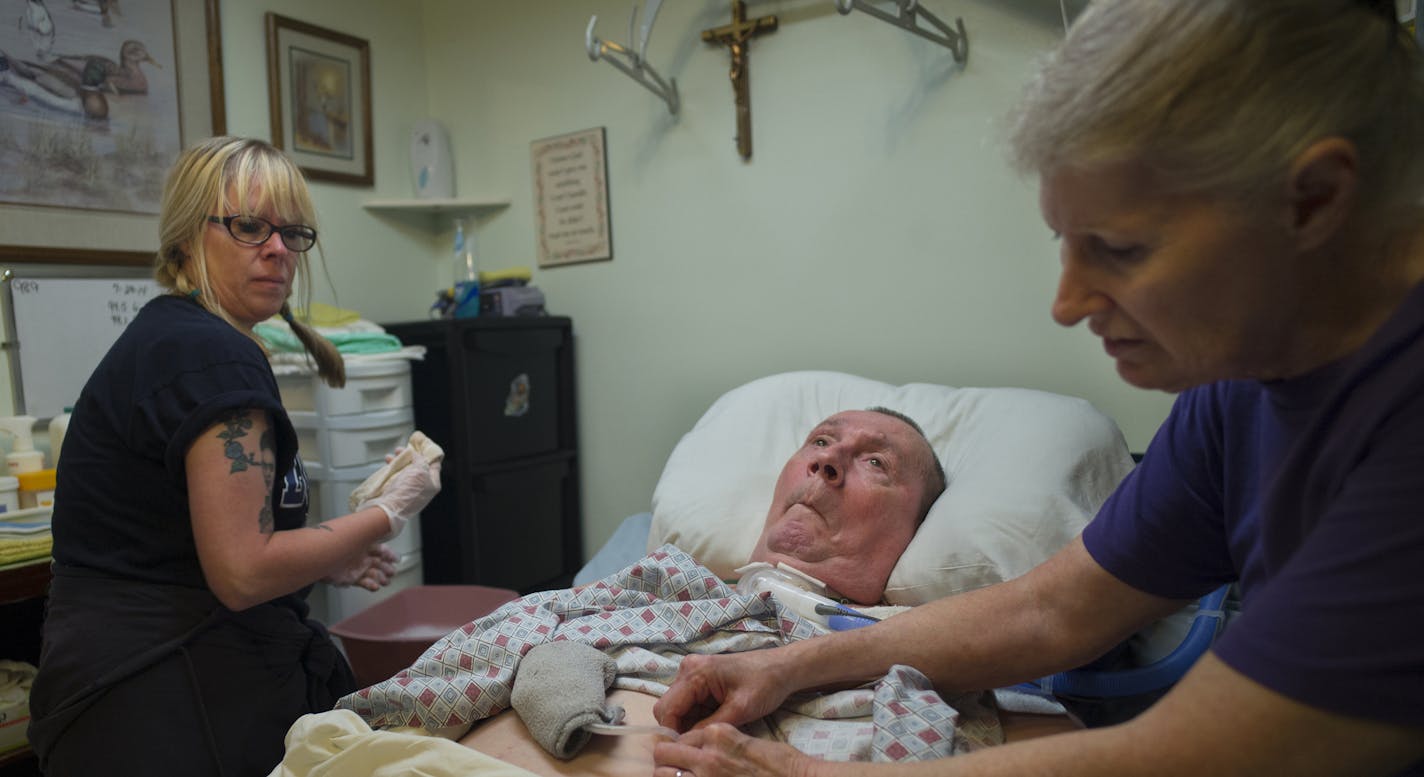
<point x="236" y="426"/>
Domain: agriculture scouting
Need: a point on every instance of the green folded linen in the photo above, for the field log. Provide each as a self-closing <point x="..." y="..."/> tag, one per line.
<point x="13" y="550"/>
<point x="280" y="338"/>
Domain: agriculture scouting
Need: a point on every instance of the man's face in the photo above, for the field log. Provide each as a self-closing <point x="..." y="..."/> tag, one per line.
<point x="848" y="502"/>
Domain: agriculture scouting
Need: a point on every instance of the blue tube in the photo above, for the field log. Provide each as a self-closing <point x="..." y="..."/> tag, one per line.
<point x="848" y="622"/>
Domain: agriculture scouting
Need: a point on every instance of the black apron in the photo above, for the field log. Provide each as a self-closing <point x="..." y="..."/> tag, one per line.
<point x="145" y="678"/>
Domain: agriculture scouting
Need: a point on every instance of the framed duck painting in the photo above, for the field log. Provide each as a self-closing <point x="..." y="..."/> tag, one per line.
<point x="97" y="97"/>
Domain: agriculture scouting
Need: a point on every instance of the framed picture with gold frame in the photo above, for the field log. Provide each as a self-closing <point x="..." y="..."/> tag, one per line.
<point x="319" y="89"/>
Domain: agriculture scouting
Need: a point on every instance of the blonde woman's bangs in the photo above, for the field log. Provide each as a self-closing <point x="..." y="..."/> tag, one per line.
<point x="261" y="182"/>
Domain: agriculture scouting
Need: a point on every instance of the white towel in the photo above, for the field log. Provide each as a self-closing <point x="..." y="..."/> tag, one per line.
<point x="376" y="483"/>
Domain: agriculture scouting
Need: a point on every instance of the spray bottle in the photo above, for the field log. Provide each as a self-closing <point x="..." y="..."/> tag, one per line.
<point x="22" y="457"/>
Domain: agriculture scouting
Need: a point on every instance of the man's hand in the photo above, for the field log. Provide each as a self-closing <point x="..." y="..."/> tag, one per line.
<point x="723" y="751"/>
<point x="733" y="688"/>
<point x="372" y="570"/>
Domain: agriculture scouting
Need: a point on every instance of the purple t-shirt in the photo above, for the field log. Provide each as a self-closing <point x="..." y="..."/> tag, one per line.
<point x="1310" y="492"/>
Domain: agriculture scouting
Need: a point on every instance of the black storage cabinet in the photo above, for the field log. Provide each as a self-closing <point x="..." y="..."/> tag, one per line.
<point x="498" y="395"/>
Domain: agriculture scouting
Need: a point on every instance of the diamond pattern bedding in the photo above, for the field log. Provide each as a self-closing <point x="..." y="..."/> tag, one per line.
<point x="647" y="617"/>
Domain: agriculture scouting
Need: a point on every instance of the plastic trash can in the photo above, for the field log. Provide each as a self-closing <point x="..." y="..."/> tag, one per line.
<point x="390" y="635"/>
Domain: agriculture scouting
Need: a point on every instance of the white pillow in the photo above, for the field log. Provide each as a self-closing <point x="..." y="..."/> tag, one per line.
<point x="1026" y="469"/>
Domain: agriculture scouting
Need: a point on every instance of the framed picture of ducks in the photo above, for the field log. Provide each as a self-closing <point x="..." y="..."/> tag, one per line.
<point x="319" y="90"/>
<point x="97" y="98"/>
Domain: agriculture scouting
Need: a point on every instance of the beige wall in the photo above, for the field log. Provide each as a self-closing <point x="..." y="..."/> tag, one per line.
<point x="877" y="230"/>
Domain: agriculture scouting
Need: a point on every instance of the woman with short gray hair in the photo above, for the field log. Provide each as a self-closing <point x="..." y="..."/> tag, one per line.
<point x="1235" y="185"/>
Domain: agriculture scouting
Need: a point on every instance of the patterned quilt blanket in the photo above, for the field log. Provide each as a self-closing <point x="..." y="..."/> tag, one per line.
<point x="647" y="617"/>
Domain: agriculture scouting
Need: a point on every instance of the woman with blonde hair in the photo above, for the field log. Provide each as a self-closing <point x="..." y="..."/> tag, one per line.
<point x="1236" y="189"/>
<point x="176" y="638"/>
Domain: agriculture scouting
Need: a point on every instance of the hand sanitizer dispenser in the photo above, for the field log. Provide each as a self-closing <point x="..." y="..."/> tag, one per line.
<point x="430" y="161"/>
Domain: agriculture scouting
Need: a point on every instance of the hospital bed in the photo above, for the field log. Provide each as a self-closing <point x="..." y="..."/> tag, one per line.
<point x="1026" y="470"/>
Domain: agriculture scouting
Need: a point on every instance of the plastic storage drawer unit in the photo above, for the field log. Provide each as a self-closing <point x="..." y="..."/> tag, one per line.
<point x="370" y="387"/>
<point x="351" y="440"/>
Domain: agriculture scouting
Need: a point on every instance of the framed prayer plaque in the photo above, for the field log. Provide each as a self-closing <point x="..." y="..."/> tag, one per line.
<point x="571" y="198"/>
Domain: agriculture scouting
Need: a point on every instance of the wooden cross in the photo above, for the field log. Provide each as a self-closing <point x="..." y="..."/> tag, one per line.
<point x="736" y="37"/>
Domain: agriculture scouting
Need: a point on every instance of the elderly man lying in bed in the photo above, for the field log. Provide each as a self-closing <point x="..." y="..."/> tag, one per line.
<point x="844" y="508"/>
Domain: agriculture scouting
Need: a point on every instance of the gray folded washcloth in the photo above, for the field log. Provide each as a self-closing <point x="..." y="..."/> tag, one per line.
<point x="560" y="688"/>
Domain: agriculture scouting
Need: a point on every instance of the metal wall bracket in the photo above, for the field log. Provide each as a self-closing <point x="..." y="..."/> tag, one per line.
<point x="632" y="61"/>
<point x="906" y="17"/>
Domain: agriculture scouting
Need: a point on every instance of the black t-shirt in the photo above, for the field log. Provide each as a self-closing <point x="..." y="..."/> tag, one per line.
<point x="121" y="501"/>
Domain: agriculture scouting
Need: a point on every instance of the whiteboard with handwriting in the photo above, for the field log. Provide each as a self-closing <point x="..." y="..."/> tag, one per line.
<point x="62" y="329"/>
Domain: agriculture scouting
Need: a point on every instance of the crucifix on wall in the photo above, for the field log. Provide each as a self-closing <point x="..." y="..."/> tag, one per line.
<point x="736" y="37"/>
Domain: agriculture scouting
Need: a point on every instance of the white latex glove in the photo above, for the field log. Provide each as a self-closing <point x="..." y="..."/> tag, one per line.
<point x="406" y="492"/>
<point x="396" y="461"/>
<point x="372" y="571"/>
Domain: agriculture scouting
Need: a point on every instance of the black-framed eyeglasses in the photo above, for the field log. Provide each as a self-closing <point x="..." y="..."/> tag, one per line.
<point x="254" y="231"/>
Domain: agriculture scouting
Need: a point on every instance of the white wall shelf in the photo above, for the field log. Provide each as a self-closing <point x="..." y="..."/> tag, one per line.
<point x="435" y="213"/>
